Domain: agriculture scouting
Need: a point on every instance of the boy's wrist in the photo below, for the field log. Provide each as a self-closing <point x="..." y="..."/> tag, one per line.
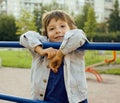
<point x="60" y="54"/>
<point x="39" y="49"/>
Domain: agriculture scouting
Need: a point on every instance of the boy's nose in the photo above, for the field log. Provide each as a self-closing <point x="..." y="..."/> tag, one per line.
<point x="58" y="31"/>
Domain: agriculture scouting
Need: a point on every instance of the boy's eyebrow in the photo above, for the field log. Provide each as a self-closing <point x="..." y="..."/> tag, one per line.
<point x="50" y="26"/>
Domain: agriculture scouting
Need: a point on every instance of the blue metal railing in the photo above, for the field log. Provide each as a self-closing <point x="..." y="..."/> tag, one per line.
<point x="86" y="46"/>
<point x="19" y="99"/>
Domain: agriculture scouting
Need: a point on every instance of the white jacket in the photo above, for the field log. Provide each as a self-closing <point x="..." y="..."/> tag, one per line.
<point x="74" y="65"/>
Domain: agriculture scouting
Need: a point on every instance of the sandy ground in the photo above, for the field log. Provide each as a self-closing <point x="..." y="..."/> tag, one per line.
<point x="16" y="82"/>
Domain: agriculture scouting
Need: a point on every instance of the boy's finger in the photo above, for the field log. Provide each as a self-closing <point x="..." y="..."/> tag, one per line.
<point x="51" y="55"/>
<point x="53" y="67"/>
<point x="55" y="70"/>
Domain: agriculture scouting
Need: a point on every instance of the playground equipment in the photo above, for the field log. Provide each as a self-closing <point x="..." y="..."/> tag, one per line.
<point x="87" y="46"/>
<point x="19" y="99"/>
<point x="113" y="59"/>
<point x="91" y="69"/>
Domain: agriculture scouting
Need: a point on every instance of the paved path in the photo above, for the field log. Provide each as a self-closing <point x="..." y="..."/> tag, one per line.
<point x="17" y="82"/>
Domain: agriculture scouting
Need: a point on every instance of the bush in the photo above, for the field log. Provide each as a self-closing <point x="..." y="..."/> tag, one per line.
<point x="103" y="37"/>
<point x="7" y="28"/>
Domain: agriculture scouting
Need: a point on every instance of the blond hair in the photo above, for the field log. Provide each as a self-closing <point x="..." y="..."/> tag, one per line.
<point x="57" y="14"/>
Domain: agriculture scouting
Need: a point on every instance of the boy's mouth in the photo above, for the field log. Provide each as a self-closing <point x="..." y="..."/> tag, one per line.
<point x="59" y="38"/>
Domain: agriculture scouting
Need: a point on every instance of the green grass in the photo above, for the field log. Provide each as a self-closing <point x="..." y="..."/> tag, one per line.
<point x="92" y="57"/>
<point x="115" y="71"/>
<point x="16" y="58"/>
<point x="21" y="58"/>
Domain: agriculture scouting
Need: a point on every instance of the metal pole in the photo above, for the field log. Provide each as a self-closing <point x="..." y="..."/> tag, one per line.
<point x="19" y="99"/>
<point x="86" y="46"/>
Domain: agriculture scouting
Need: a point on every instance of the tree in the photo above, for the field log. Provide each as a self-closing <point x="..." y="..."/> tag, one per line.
<point x="7" y="28"/>
<point x="102" y="27"/>
<point x="38" y="13"/>
<point x="80" y="19"/>
<point x="90" y="24"/>
<point x="38" y="18"/>
<point x="114" y="20"/>
<point x="26" y="22"/>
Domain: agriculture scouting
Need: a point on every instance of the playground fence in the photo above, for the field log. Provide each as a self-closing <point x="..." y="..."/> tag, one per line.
<point x="86" y="46"/>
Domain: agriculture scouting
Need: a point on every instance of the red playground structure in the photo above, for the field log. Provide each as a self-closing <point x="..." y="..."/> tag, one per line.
<point x="91" y="69"/>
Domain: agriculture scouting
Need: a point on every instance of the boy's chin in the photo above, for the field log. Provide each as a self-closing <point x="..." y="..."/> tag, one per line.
<point x="57" y="40"/>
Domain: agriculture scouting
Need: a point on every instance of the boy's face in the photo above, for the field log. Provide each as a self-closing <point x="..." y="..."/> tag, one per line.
<point x="57" y="29"/>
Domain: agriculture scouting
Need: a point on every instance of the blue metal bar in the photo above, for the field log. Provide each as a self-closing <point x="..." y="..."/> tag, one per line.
<point x="86" y="46"/>
<point x="10" y="44"/>
<point x="19" y="99"/>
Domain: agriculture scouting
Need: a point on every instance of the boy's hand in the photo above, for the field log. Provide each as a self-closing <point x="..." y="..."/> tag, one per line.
<point x="49" y="52"/>
<point x="55" y="56"/>
<point x="56" y="61"/>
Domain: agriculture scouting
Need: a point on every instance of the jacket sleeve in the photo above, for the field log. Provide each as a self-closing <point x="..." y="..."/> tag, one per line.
<point x="73" y="39"/>
<point x="31" y="39"/>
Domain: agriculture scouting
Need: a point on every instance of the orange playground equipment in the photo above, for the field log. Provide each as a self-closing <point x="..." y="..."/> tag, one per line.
<point x="91" y="69"/>
<point x="113" y="59"/>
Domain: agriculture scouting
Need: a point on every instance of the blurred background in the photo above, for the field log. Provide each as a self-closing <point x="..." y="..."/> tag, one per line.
<point x="100" y="19"/>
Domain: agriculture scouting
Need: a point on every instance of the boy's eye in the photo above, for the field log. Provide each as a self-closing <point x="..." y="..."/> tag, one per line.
<point x="51" y="29"/>
<point x="62" y="26"/>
